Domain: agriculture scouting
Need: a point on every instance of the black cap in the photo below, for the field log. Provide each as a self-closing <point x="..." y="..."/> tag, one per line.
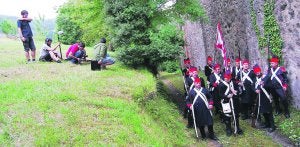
<point x="103" y="40"/>
<point x="48" y="39"/>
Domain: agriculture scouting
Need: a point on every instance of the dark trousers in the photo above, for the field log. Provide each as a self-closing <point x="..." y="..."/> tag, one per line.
<point x="269" y="120"/>
<point x="245" y="110"/>
<point x="210" y="131"/>
<point x="279" y="96"/>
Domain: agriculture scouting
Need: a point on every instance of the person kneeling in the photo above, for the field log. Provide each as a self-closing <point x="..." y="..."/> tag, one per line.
<point x="48" y="53"/>
<point x="101" y="58"/>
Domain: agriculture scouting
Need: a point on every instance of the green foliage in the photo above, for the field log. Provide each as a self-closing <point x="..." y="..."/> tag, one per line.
<point x="141" y="33"/>
<point x="169" y="66"/>
<point x="145" y="35"/>
<point x="82" y="20"/>
<point x="272" y="29"/>
<point x="129" y="21"/>
<point x="8" y="27"/>
<point x="271" y="36"/>
<point x="192" y="9"/>
<point x="290" y="127"/>
<point x="67" y="23"/>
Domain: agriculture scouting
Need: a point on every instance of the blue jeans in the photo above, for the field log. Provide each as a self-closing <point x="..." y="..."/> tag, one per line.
<point x="108" y="60"/>
<point x="78" y="54"/>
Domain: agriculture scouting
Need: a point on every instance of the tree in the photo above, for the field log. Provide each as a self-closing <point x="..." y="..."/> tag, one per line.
<point x="82" y="20"/>
<point x="8" y="27"/>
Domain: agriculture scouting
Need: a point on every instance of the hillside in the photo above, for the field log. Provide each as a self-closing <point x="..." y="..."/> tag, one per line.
<point x="50" y="104"/>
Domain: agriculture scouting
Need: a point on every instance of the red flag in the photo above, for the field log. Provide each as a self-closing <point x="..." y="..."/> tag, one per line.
<point x="220" y="43"/>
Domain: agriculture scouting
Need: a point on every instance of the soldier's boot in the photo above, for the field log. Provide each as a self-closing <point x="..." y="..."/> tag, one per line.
<point x="202" y="131"/>
<point x="267" y="121"/>
<point x="190" y="120"/>
<point x="211" y="132"/>
<point x="185" y="112"/>
<point x="286" y="109"/>
<point x="277" y="107"/>
<point x="239" y="130"/>
<point x="272" y="124"/>
<point x="228" y="128"/>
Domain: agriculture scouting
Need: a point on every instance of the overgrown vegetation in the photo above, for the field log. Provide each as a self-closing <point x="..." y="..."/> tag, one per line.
<point x="8" y="27"/>
<point x="271" y="37"/>
<point x="141" y="32"/>
<point x="290" y="127"/>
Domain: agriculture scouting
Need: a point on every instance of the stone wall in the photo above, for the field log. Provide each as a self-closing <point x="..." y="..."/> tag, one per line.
<point x="239" y="35"/>
<point x="288" y="16"/>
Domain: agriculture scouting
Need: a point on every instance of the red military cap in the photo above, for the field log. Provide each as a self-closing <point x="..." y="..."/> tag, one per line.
<point x="256" y="69"/>
<point x="245" y="61"/>
<point x="187" y="61"/>
<point x="217" y="66"/>
<point x="209" y="58"/>
<point x="274" y="59"/>
<point x="192" y="69"/>
<point x="197" y="80"/>
<point x="237" y="60"/>
<point x="227" y="75"/>
<point x="228" y="60"/>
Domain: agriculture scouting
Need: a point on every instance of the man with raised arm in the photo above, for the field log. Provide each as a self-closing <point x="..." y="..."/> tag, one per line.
<point x="25" y="34"/>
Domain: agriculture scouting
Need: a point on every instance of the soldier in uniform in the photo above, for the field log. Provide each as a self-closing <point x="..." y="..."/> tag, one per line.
<point x="229" y="68"/>
<point x="246" y="81"/>
<point x="193" y="72"/>
<point x="185" y="76"/>
<point x="215" y="78"/>
<point x="187" y="65"/>
<point x="200" y="102"/>
<point x="236" y="68"/>
<point x="230" y="99"/>
<point x="208" y="69"/>
<point x="278" y="77"/>
<point x="264" y="101"/>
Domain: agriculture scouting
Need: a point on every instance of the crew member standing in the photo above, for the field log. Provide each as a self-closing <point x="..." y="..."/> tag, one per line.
<point x="26" y="35"/>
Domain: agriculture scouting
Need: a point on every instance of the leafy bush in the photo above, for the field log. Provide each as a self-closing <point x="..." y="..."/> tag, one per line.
<point x="169" y="66"/>
<point x="8" y="27"/>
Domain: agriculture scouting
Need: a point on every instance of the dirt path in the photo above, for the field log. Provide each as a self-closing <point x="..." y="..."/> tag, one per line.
<point x="178" y="98"/>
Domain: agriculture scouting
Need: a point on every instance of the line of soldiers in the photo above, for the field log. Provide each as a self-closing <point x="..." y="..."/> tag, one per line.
<point x="234" y="90"/>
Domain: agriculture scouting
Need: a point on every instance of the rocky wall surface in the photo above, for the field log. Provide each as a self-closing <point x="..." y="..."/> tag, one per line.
<point x="288" y="16"/>
<point x="239" y="35"/>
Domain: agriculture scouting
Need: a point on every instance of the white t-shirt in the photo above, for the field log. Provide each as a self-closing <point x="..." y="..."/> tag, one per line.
<point x="45" y="49"/>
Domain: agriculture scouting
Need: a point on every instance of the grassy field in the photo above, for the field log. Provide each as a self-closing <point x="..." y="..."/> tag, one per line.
<point x="51" y="104"/>
<point x="251" y="137"/>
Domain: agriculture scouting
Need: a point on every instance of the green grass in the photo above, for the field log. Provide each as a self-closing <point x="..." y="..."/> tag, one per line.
<point x="252" y="137"/>
<point x="50" y="104"/>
